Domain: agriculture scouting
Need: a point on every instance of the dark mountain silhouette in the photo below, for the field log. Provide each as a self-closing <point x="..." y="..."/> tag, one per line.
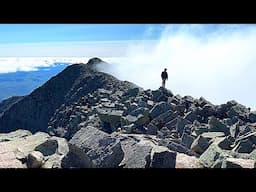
<point x="33" y="111"/>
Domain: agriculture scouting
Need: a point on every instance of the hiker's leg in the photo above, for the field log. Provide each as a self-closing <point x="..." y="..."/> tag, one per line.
<point x="164" y="83"/>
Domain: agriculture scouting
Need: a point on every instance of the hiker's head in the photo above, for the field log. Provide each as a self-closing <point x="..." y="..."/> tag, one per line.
<point x="165" y="69"/>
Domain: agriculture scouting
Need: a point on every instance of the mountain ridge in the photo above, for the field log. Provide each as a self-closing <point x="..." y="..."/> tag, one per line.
<point x="60" y="89"/>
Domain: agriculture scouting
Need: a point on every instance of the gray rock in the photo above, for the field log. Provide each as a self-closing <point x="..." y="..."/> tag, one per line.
<point x="244" y="146"/>
<point x="112" y="117"/>
<point x="252" y="117"/>
<point x="184" y="161"/>
<point x="140" y="111"/>
<point x="180" y="108"/>
<point x="164" y="133"/>
<point x="199" y="145"/>
<point x="158" y="109"/>
<point x="225" y="143"/>
<point x="164" y="118"/>
<point x="202" y="101"/>
<point x="217" y="126"/>
<point x="135" y="155"/>
<point x="103" y="149"/>
<point x="234" y="130"/>
<point x="200" y="129"/>
<point x="129" y="119"/>
<point x="132" y="92"/>
<point x="151" y="129"/>
<point x="161" y="94"/>
<point x="162" y="157"/>
<point x="238" y="110"/>
<point x="207" y="110"/>
<point x="238" y="163"/>
<point x="187" y="140"/>
<point x="212" y="135"/>
<point x="35" y="159"/>
<point x="14" y="135"/>
<point x="211" y="155"/>
<point x="191" y="116"/>
<point x="54" y="150"/>
<point x="253" y="154"/>
<point x="76" y="158"/>
<point x="181" y="123"/>
<point x="175" y="146"/>
<point x="129" y="128"/>
<point x="173" y="100"/>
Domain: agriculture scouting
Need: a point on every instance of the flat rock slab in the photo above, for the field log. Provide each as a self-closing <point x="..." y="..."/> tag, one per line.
<point x="240" y="163"/>
<point x="8" y="158"/>
<point x="184" y="161"/>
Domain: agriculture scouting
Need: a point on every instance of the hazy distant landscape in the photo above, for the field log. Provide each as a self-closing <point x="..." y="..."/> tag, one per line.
<point x="23" y="82"/>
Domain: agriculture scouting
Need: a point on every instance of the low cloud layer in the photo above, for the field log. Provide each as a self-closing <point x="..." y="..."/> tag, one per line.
<point x="217" y="62"/>
<point x="12" y="64"/>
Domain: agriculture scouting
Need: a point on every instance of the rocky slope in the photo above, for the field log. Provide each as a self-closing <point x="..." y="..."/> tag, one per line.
<point x="110" y="123"/>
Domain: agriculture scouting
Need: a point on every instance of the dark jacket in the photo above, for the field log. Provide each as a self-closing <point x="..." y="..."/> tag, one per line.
<point x="164" y="75"/>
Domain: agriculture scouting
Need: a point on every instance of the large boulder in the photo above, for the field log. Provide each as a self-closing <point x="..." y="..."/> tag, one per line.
<point x="184" y="161"/>
<point x="158" y="109"/>
<point x="135" y="155"/>
<point x="191" y="116"/>
<point x="161" y="94"/>
<point x="174" y="145"/>
<point x="54" y="150"/>
<point x="238" y="110"/>
<point x="132" y="92"/>
<point x="25" y="149"/>
<point x="213" y="156"/>
<point x="162" y="157"/>
<point x="252" y="117"/>
<point x="187" y="140"/>
<point x="27" y="144"/>
<point x="199" y="145"/>
<point x="8" y="158"/>
<point x="244" y="146"/>
<point x="111" y="117"/>
<point x="216" y="125"/>
<point x="238" y="163"/>
<point x="35" y="159"/>
<point x="178" y="124"/>
<point x="103" y="149"/>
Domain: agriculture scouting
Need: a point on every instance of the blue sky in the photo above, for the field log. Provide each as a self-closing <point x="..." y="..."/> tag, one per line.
<point x="60" y="39"/>
<point x="27" y="33"/>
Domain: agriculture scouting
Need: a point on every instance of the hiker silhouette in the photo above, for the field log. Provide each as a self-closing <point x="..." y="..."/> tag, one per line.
<point x="164" y="76"/>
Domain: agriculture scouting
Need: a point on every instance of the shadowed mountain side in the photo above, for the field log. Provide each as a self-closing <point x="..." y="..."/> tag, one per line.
<point x="34" y="111"/>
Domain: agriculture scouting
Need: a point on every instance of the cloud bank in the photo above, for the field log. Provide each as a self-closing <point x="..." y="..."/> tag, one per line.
<point x="14" y="64"/>
<point x="217" y="62"/>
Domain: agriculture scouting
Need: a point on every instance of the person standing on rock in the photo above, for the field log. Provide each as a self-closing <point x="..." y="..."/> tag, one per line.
<point x="164" y="76"/>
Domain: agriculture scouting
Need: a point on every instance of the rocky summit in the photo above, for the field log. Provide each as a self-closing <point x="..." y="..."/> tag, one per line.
<point x="84" y="118"/>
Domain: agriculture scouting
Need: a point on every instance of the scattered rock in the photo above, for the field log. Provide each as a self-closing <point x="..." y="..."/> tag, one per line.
<point x="162" y="157"/>
<point x="199" y="145"/>
<point x="238" y="163"/>
<point x="35" y="159"/>
<point x="103" y="149"/>
<point x="187" y="140"/>
<point x="158" y="109"/>
<point x="217" y="126"/>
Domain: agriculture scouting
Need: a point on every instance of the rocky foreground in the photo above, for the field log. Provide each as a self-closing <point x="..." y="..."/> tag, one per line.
<point x="83" y="118"/>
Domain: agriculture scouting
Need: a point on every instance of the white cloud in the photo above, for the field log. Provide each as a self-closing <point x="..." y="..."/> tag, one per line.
<point x="217" y="62"/>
